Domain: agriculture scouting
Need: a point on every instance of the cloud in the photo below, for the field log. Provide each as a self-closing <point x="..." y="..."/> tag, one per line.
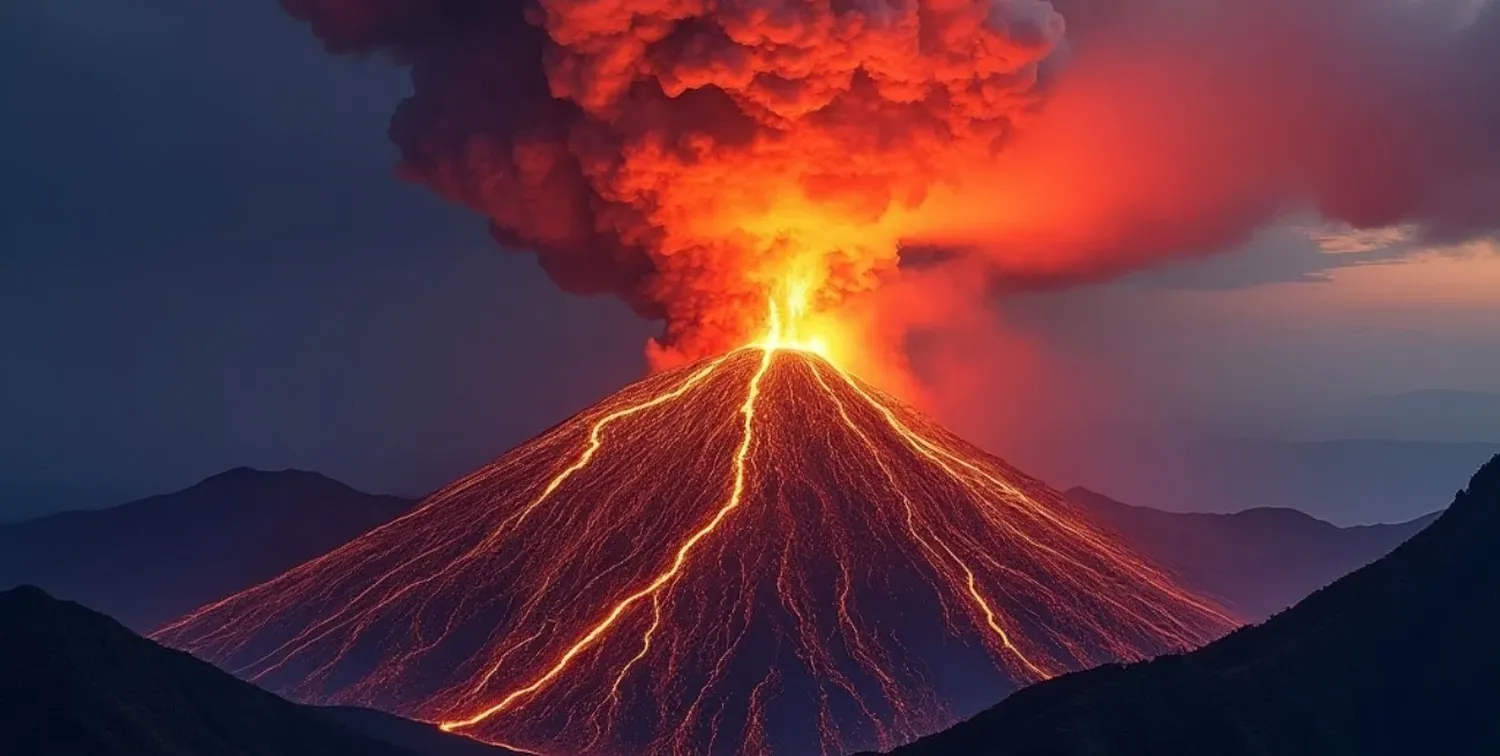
<point x="1342" y="239"/>
<point x="1179" y="128"/>
<point x="693" y="158"/>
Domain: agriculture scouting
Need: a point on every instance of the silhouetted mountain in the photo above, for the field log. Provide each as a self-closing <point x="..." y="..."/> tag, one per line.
<point x="1397" y="658"/>
<point x="74" y="682"/>
<point x="1258" y="561"/>
<point x="153" y="560"/>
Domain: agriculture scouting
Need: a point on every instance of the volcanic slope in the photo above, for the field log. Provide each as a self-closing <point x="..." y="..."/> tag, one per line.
<point x="758" y="553"/>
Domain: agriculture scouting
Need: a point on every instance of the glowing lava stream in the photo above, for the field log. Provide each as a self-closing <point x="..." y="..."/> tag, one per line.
<point x="758" y="553"/>
<point x="773" y="342"/>
<point x="979" y="599"/>
<point x="736" y="494"/>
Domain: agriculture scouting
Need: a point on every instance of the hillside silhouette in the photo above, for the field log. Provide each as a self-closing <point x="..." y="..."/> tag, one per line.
<point x="76" y="683"/>
<point x="1397" y="658"/>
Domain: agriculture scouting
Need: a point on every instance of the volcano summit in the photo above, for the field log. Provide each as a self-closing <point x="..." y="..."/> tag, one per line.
<point x="756" y="553"/>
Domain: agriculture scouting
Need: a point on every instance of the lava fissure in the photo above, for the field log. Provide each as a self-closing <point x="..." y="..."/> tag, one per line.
<point x="757" y="553"/>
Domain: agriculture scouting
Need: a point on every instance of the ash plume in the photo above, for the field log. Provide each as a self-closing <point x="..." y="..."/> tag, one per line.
<point x="688" y="156"/>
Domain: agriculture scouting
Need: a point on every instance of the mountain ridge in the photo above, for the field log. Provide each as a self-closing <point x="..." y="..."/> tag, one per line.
<point x="1395" y="658"/>
<point x="77" y="683"/>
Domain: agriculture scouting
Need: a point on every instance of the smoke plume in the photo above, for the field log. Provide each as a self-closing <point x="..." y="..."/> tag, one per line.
<point x="689" y="156"/>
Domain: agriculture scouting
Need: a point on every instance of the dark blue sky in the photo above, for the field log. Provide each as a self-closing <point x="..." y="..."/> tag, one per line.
<point x="205" y="261"/>
<point x="208" y="262"/>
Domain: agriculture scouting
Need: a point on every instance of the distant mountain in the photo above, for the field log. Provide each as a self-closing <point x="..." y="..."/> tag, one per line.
<point x="1258" y="561"/>
<point x="1397" y="658"/>
<point x="1343" y="482"/>
<point x="152" y="560"/>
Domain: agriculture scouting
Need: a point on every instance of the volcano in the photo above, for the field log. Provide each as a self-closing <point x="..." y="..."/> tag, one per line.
<point x="756" y="553"/>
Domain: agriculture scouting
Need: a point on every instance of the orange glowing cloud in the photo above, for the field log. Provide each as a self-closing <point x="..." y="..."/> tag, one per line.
<point x="701" y="160"/>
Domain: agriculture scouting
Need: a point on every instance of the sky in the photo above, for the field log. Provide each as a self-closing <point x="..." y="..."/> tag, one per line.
<point x="206" y="261"/>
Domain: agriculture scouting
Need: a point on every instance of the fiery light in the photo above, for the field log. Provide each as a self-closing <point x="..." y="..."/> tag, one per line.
<point x="790" y="324"/>
<point x="758" y="553"/>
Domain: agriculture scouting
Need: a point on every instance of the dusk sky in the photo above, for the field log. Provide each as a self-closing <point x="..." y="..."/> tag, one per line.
<point x="206" y="261"/>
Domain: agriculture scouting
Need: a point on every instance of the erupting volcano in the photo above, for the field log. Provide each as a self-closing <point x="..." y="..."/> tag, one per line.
<point x="754" y="553"/>
<point x="752" y="550"/>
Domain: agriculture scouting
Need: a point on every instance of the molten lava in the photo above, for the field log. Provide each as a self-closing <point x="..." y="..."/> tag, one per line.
<point x="756" y="553"/>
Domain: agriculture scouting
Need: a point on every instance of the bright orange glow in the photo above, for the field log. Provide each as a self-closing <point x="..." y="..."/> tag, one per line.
<point x="790" y="324"/>
<point x="758" y="553"/>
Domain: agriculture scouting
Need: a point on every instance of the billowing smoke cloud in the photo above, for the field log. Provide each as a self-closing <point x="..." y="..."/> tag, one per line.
<point x="689" y="156"/>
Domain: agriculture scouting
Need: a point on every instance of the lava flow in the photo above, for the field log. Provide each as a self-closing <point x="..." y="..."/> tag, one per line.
<point x="756" y="553"/>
